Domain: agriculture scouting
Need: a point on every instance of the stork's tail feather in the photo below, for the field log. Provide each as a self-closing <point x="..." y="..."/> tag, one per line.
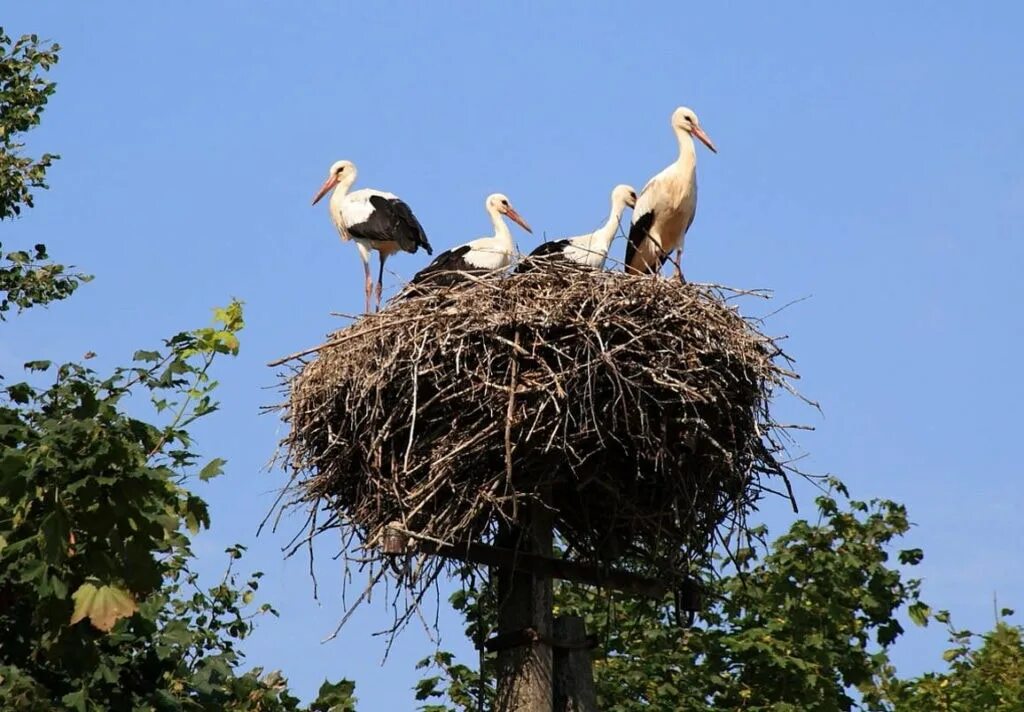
<point x="642" y="253"/>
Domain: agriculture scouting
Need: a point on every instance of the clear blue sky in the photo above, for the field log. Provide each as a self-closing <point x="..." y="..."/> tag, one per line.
<point x="870" y="158"/>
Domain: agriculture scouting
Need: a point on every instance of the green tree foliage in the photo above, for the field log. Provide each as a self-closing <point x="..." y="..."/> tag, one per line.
<point x="26" y="278"/>
<point x="806" y="623"/>
<point x="799" y="627"/>
<point x="24" y="92"/>
<point x="29" y="279"/>
<point x="99" y="606"/>
<point x="986" y="672"/>
<point x="803" y="625"/>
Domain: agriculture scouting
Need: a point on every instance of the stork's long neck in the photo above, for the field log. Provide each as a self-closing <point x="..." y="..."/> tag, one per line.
<point x="337" y="196"/>
<point x="602" y="238"/>
<point x="502" y="235"/>
<point x="687" y="160"/>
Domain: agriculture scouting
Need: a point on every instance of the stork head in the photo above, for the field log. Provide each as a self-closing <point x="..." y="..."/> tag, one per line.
<point x="340" y="171"/>
<point x="624" y="195"/>
<point x="684" y="119"/>
<point x="498" y="203"/>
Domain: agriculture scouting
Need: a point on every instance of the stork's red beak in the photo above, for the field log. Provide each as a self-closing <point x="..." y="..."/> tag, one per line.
<point x="699" y="133"/>
<point x="328" y="184"/>
<point x="513" y="215"/>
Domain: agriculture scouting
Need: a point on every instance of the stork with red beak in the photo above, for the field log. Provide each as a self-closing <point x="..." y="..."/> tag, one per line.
<point x="377" y="221"/>
<point x="668" y="203"/>
<point x="481" y="256"/>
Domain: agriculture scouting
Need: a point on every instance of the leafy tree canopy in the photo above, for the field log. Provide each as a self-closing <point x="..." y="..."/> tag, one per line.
<point x="986" y="672"/>
<point x="99" y="606"/>
<point x="24" y="91"/>
<point x="806" y="623"/>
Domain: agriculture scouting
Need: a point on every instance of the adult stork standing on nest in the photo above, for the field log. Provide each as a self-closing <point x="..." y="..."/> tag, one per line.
<point x="377" y="221"/>
<point x="588" y="250"/>
<point x="668" y="202"/>
<point x="486" y="254"/>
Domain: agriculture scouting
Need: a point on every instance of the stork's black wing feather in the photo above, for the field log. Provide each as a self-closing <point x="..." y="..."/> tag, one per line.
<point x="408" y="224"/>
<point x="445" y="267"/>
<point x="638" y="232"/>
<point x="553" y="251"/>
<point x="392" y="219"/>
<point x="550" y="248"/>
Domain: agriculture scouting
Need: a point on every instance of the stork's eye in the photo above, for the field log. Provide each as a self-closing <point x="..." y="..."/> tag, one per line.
<point x="504" y="202"/>
<point x="633" y="196"/>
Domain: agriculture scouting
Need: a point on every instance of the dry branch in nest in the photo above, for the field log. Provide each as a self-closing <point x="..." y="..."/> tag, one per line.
<point x="637" y="408"/>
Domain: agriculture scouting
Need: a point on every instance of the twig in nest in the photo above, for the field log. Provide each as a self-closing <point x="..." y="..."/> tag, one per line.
<point x="509" y="414"/>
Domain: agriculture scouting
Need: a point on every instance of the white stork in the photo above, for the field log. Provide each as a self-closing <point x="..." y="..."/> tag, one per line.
<point x="374" y="219"/>
<point x="588" y="250"/>
<point x="668" y="202"/>
<point x="480" y="256"/>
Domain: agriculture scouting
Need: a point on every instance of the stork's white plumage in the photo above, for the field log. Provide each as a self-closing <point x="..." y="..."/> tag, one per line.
<point x="377" y="221"/>
<point x="480" y="256"/>
<point x="589" y="250"/>
<point x="668" y="203"/>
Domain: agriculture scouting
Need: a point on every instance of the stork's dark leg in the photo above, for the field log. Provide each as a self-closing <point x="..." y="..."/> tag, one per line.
<point x="380" y="279"/>
<point x="676" y="258"/>
<point x="368" y="285"/>
<point x="679" y="266"/>
<point x="661" y="255"/>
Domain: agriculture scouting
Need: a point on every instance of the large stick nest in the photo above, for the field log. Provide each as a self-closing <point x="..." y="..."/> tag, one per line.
<point x="637" y="408"/>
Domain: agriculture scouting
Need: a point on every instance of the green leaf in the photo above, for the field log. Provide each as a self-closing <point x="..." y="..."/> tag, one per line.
<point x="911" y="557"/>
<point x="20" y="393"/>
<point x="212" y="469"/>
<point x="919" y="613"/>
<point x="335" y="697"/>
<point x="195" y="513"/>
<point x="59" y="587"/>
<point x="76" y="700"/>
<point x="56" y="535"/>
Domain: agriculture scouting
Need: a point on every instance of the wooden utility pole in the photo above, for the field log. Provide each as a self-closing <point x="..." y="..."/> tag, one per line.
<point x="524" y="620"/>
<point x="544" y="665"/>
<point x="574" y="689"/>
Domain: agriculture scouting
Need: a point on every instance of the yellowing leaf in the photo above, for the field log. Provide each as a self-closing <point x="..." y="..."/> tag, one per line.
<point x="103" y="606"/>
<point x="228" y="341"/>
